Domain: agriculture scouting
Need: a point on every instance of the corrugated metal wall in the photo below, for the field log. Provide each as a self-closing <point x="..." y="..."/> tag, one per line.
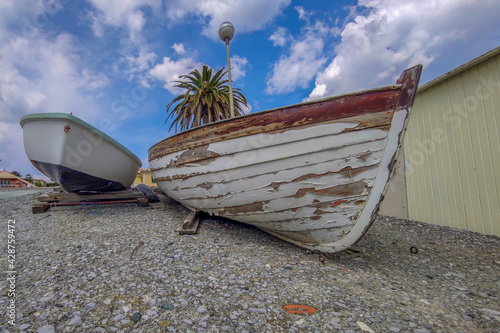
<point x="452" y="151"/>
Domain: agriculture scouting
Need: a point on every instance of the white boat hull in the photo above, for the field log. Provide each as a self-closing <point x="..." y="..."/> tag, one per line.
<point x="317" y="184"/>
<point x="76" y="155"/>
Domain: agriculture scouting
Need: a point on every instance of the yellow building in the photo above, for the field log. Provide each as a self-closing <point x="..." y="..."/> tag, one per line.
<point x="42" y="182"/>
<point x="449" y="173"/>
<point x="144" y="176"/>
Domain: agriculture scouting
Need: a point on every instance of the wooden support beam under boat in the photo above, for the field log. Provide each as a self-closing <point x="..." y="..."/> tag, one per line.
<point x="190" y="224"/>
<point x="42" y="207"/>
<point x="68" y="196"/>
<point x="58" y="199"/>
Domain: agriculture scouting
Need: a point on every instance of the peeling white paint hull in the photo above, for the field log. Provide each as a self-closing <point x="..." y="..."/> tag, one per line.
<point x="316" y="181"/>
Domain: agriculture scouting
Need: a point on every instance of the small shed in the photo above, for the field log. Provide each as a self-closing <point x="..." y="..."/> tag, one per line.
<point x="450" y="171"/>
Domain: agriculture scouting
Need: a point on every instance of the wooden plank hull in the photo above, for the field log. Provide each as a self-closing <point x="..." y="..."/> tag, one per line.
<point x="313" y="174"/>
<point x="76" y="155"/>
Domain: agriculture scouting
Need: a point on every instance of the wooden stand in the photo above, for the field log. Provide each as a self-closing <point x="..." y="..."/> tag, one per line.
<point x="190" y="224"/>
<point x="59" y="198"/>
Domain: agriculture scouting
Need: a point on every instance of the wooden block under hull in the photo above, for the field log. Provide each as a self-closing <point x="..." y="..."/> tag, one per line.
<point x="54" y="199"/>
<point x="39" y="208"/>
<point x="42" y="207"/>
<point x="65" y="196"/>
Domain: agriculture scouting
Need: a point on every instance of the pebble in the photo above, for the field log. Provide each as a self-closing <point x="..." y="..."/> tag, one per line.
<point x="125" y="322"/>
<point x="151" y="313"/>
<point x="254" y="310"/>
<point x="136" y="317"/>
<point x="166" y="306"/>
<point x="89" y="306"/>
<point x="76" y="273"/>
<point x="46" y="329"/>
<point x="118" y="317"/>
<point x="364" y="327"/>
<point x="75" y="321"/>
<point x="491" y="313"/>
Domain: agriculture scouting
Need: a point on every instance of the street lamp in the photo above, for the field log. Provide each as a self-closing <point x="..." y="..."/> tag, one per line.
<point x="226" y="33"/>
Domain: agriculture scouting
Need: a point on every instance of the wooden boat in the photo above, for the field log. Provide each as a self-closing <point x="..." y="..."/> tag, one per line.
<point x="312" y="174"/>
<point x="76" y="155"/>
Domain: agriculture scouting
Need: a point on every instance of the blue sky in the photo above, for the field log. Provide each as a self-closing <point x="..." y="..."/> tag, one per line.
<point x="112" y="63"/>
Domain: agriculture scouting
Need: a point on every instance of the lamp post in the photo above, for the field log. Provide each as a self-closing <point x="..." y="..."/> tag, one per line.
<point x="226" y="33"/>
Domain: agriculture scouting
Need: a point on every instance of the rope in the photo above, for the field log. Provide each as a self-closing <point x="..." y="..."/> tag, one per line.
<point x="89" y="203"/>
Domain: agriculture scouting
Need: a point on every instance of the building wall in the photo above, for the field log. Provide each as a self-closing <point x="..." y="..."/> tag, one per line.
<point x="12" y="183"/>
<point x="42" y="182"/>
<point x="395" y="202"/>
<point x="144" y="176"/>
<point x="5" y="182"/>
<point x="452" y="150"/>
<point x="147" y="178"/>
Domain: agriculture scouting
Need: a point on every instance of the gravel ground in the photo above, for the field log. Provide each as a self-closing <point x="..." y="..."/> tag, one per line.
<point x="124" y="268"/>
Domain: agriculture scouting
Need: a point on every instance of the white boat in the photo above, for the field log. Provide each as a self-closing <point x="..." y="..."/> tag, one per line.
<point x="313" y="174"/>
<point x="76" y="155"/>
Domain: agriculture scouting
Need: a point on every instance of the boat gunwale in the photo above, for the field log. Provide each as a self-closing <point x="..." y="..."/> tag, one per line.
<point x="186" y="134"/>
<point x="69" y="117"/>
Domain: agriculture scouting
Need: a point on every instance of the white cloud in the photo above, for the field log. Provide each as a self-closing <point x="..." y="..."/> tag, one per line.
<point x="392" y="35"/>
<point x="12" y="149"/>
<point x="41" y="74"/>
<point x="131" y="15"/>
<point x="301" y="65"/>
<point x="93" y="81"/>
<point x="170" y="70"/>
<point x="35" y="100"/>
<point x="238" y="65"/>
<point x="179" y="48"/>
<point x="246" y="109"/>
<point x="280" y="37"/>
<point x="303" y="15"/>
<point x="246" y="15"/>
<point x="142" y="62"/>
<point x="28" y="15"/>
<point x="123" y="14"/>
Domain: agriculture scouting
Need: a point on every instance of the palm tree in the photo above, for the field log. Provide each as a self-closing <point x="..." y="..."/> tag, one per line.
<point x="206" y="100"/>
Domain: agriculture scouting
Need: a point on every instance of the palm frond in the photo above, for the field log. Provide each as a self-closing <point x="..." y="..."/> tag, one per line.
<point x="205" y="100"/>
